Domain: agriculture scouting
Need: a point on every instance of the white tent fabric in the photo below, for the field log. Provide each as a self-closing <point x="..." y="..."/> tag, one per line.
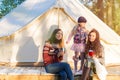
<point x="25" y="29"/>
<point x="23" y="14"/>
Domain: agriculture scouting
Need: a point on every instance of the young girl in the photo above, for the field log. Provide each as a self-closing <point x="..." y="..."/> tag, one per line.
<point x="80" y="33"/>
<point x="94" y="51"/>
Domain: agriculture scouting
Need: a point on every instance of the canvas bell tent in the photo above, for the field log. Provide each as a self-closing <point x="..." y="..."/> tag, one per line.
<point x="25" y="29"/>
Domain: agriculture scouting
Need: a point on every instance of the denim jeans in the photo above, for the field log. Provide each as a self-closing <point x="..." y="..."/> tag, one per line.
<point x="61" y="68"/>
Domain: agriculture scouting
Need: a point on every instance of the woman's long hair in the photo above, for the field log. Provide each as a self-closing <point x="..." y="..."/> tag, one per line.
<point x="96" y="45"/>
<point x="53" y="39"/>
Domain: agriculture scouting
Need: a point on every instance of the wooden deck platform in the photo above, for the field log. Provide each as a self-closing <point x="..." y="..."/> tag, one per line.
<point x="38" y="73"/>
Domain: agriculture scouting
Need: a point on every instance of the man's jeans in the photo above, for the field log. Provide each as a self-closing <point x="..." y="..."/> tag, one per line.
<point x="61" y="68"/>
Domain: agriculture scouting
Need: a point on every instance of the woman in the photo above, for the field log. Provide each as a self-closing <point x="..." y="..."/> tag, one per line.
<point x="53" y="52"/>
<point x="94" y="51"/>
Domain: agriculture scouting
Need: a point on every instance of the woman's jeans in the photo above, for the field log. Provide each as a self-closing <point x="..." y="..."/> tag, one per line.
<point x="61" y="68"/>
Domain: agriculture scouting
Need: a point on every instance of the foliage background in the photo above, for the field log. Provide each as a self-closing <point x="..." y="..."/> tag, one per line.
<point x="107" y="10"/>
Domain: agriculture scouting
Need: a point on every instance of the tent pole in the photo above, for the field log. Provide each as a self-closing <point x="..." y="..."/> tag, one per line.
<point x="58" y="13"/>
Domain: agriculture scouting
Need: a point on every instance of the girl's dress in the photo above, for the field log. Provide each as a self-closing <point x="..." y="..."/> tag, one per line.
<point x="79" y="40"/>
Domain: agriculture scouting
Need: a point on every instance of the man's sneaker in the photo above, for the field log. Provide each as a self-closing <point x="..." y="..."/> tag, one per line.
<point x="78" y="72"/>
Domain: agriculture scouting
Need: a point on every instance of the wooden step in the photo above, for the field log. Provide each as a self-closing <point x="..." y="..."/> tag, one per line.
<point x="48" y="77"/>
<point x="38" y="73"/>
<point x="109" y="77"/>
<point x="113" y="73"/>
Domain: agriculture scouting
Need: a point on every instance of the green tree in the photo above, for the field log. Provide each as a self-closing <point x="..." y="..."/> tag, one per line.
<point x="100" y="9"/>
<point x="117" y="16"/>
<point x="107" y="10"/>
<point x="8" y="5"/>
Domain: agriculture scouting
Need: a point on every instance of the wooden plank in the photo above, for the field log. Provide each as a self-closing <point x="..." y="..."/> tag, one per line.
<point x="3" y="77"/>
<point x="39" y="73"/>
<point x="4" y="63"/>
<point x="113" y="77"/>
<point x="23" y="77"/>
<point x="95" y="77"/>
<point x="48" y="77"/>
<point x="27" y="64"/>
<point x="29" y="77"/>
<point x="109" y="77"/>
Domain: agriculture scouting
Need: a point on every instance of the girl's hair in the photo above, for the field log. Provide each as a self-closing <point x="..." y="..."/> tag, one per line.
<point x="96" y="45"/>
<point x="53" y="39"/>
<point x="82" y="19"/>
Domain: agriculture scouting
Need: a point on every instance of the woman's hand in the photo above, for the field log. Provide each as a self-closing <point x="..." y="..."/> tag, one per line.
<point x="67" y="42"/>
<point x="61" y="53"/>
<point x="51" y="52"/>
<point x="48" y="44"/>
